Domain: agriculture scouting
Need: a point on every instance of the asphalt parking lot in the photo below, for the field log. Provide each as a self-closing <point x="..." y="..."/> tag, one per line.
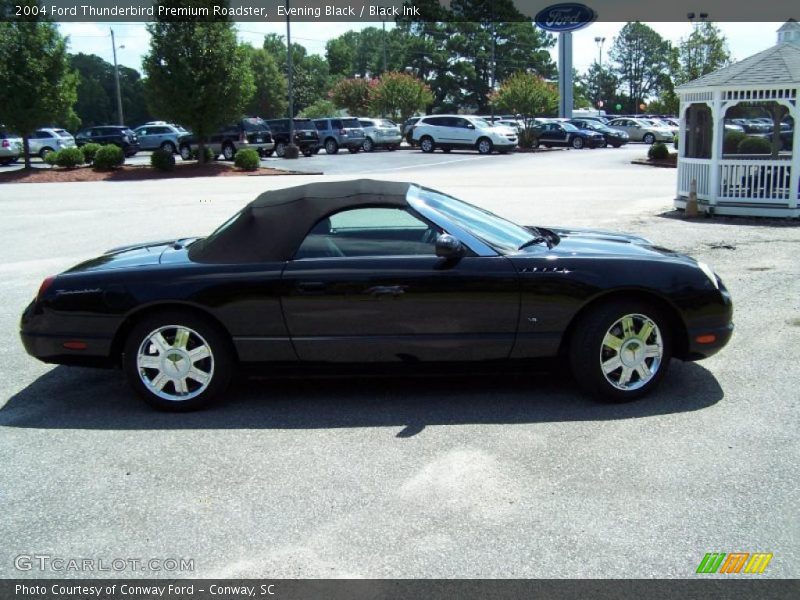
<point x="438" y="477"/>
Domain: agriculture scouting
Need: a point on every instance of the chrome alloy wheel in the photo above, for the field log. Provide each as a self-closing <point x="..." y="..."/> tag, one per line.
<point x="175" y="363"/>
<point x="631" y="352"/>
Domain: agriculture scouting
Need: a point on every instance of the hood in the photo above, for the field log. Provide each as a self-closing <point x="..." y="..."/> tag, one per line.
<point x="134" y="255"/>
<point x="595" y="242"/>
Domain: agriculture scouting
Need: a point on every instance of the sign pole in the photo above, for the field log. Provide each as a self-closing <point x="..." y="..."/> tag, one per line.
<point x="565" y="74"/>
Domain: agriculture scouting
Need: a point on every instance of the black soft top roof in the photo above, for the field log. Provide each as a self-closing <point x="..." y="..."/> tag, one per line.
<point x="273" y="225"/>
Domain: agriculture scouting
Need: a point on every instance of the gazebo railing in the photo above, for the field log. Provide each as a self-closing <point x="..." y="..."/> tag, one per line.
<point x="766" y="180"/>
<point x="698" y="169"/>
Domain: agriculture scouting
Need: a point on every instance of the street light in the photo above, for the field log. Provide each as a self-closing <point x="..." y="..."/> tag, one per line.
<point x="291" y="149"/>
<point x="600" y="41"/>
<point x="116" y="79"/>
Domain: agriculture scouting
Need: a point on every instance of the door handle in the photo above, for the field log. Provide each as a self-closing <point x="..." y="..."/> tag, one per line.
<point x="311" y="286"/>
<point x="386" y="290"/>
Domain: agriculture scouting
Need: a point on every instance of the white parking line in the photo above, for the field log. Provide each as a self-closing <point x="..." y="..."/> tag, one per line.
<point x="425" y="165"/>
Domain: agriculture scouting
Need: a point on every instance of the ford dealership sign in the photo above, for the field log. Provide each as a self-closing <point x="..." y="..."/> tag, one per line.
<point x="565" y="17"/>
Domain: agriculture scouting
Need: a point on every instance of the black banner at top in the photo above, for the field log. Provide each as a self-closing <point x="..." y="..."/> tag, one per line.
<point x="568" y="14"/>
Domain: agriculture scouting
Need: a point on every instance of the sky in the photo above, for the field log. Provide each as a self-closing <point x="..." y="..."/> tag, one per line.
<point x="744" y="39"/>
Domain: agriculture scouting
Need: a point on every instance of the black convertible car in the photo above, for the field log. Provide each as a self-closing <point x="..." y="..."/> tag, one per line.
<point x="368" y="272"/>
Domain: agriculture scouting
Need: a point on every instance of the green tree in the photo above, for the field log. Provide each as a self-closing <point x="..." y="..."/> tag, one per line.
<point x="311" y="77"/>
<point x="600" y="85"/>
<point x="642" y="59"/>
<point x="399" y="95"/>
<point x="197" y="74"/>
<point x="527" y="95"/>
<point x="704" y="51"/>
<point x="352" y="95"/>
<point x="319" y="109"/>
<point x="270" y="99"/>
<point x="39" y="87"/>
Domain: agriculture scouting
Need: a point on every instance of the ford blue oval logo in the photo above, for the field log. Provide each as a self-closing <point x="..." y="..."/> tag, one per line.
<point x="565" y="17"/>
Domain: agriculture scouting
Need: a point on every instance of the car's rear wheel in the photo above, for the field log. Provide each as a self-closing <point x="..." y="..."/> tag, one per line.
<point x="426" y="144"/>
<point x="620" y="350"/>
<point x="577" y="142"/>
<point x="228" y="151"/>
<point x="331" y="146"/>
<point x="177" y="361"/>
<point x="484" y="146"/>
<point x="307" y="152"/>
<point x="280" y="149"/>
<point x="169" y="147"/>
<point x="649" y="138"/>
<point x="369" y="145"/>
<point x="44" y="152"/>
<point x="186" y="152"/>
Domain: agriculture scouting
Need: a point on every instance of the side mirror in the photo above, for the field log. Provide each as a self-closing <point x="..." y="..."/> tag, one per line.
<point x="447" y="246"/>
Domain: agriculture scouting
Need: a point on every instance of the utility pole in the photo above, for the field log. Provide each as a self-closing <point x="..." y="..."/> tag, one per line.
<point x="494" y="59"/>
<point x="384" y="46"/>
<point x="600" y="41"/>
<point x="116" y="80"/>
<point x="289" y="78"/>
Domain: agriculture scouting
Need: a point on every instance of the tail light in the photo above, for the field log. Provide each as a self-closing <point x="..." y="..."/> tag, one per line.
<point x="6" y="144"/>
<point x="48" y="281"/>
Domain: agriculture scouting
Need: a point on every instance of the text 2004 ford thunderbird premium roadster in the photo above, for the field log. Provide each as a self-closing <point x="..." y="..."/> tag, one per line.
<point x="366" y="272"/>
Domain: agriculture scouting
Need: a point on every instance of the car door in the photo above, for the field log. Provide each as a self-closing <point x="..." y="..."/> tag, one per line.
<point x="366" y="286"/>
<point x="146" y="138"/>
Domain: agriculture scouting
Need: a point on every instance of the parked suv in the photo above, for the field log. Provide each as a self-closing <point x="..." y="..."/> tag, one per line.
<point x="380" y="133"/>
<point x="462" y="131"/>
<point x="305" y="135"/>
<point x="249" y="132"/>
<point x="159" y="134"/>
<point x="47" y="140"/>
<point x="10" y="147"/>
<point x="345" y="131"/>
<point x="119" y="135"/>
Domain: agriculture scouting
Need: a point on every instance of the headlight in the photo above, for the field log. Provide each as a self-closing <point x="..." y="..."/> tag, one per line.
<point x="709" y="273"/>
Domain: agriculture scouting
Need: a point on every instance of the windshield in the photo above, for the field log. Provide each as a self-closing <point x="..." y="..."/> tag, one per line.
<point x="497" y="232"/>
<point x="480" y="123"/>
<point x="569" y="127"/>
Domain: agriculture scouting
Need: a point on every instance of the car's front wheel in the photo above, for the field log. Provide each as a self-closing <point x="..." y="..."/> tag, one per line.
<point x="228" y="151"/>
<point x="168" y="147"/>
<point x="484" y="146"/>
<point x="177" y="361"/>
<point x="620" y="350"/>
<point x="577" y="142"/>
<point x="369" y="145"/>
<point x="331" y="146"/>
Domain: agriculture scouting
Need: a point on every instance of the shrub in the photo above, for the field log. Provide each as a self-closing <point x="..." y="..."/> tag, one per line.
<point x="658" y="151"/>
<point x="526" y="138"/>
<point x="291" y="151"/>
<point x="247" y="160"/>
<point x="89" y="152"/>
<point x="68" y="157"/>
<point x="730" y="143"/>
<point x="50" y="158"/>
<point x="206" y="151"/>
<point x="755" y="145"/>
<point x="163" y="160"/>
<point x="108" y="157"/>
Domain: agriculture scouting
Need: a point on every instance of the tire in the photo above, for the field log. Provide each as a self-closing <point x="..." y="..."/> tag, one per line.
<point x="169" y="147"/>
<point x="368" y="145"/>
<point x="267" y="153"/>
<point x="228" y="151"/>
<point x="186" y="153"/>
<point x="170" y="378"/>
<point x="630" y="372"/>
<point x="604" y="144"/>
<point x="280" y="149"/>
<point x="484" y="146"/>
<point x="426" y="144"/>
<point x="331" y="146"/>
<point x="577" y="143"/>
<point x="44" y="152"/>
<point x="307" y="152"/>
<point x="649" y="138"/>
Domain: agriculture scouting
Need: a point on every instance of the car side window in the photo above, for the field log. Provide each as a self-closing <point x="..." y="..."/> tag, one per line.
<point x="320" y="125"/>
<point x="373" y="231"/>
<point x="336" y="123"/>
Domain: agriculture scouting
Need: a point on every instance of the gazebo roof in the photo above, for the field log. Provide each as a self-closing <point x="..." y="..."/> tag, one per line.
<point x="778" y="65"/>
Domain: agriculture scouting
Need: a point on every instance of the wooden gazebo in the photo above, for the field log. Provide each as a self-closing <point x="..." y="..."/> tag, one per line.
<point x="730" y="178"/>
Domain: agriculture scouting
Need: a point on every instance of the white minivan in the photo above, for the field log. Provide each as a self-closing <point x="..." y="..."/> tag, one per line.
<point x="462" y="131"/>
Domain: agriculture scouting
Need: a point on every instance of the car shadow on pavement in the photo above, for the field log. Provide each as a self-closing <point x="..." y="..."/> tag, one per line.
<point x="75" y="398"/>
